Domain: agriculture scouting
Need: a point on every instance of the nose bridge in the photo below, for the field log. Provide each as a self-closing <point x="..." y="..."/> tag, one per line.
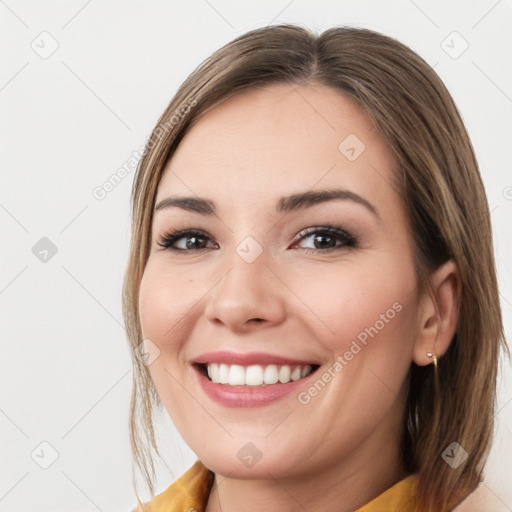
<point x="249" y="290"/>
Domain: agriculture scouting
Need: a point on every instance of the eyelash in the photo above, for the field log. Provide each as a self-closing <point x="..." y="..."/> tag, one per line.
<point x="348" y="239"/>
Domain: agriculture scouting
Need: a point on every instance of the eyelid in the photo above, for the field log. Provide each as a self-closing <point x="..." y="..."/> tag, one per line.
<point x="348" y="239"/>
<point x="329" y="229"/>
<point x="169" y="238"/>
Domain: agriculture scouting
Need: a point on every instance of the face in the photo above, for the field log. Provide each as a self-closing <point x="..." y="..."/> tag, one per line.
<point x="302" y="308"/>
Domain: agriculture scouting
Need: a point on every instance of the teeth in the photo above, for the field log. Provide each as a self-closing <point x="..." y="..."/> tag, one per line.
<point x="223" y="373"/>
<point x="305" y="370"/>
<point x="236" y="375"/>
<point x="295" y="373"/>
<point x="284" y="374"/>
<point x="271" y="375"/>
<point x="256" y="375"/>
<point x="213" y="372"/>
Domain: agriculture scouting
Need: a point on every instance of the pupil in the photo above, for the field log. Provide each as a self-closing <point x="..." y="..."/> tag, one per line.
<point x="320" y="237"/>
<point x="191" y="242"/>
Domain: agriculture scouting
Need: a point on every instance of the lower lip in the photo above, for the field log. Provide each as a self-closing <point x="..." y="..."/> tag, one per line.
<point x="247" y="396"/>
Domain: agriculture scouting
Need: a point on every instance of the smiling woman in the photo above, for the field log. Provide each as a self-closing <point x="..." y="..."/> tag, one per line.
<point x="312" y="279"/>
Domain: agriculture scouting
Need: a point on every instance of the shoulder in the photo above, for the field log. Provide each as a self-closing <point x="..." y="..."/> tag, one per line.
<point x="398" y="497"/>
<point x="401" y="497"/>
<point x="188" y="492"/>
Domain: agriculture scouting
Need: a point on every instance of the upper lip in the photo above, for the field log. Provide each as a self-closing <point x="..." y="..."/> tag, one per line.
<point x="247" y="359"/>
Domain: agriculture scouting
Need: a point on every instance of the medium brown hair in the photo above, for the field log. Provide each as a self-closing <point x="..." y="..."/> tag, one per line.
<point x="438" y="178"/>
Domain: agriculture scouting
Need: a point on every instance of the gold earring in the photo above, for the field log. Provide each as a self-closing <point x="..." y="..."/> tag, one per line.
<point x="434" y="358"/>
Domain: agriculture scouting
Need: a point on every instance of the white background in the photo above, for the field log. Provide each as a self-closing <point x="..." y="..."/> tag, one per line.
<point x="70" y="120"/>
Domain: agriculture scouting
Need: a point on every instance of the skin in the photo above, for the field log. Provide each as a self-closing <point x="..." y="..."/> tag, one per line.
<point x="341" y="449"/>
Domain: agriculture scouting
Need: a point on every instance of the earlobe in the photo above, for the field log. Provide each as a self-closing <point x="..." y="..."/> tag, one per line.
<point x="438" y="315"/>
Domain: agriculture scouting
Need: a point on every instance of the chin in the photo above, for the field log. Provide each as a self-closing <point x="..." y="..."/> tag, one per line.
<point x="246" y="461"/>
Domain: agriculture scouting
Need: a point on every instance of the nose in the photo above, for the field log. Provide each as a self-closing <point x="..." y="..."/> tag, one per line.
<point x="248" y="297"/>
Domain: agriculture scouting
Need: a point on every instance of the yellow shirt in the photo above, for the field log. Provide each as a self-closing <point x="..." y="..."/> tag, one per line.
<point x="189" y="493"/>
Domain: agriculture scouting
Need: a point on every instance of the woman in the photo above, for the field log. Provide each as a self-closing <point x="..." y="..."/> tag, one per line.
<point x="311" y="291"/>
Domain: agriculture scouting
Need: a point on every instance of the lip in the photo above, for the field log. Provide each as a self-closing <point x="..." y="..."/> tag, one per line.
<point x="247" y="396"/>
<point x="249" y="358"/>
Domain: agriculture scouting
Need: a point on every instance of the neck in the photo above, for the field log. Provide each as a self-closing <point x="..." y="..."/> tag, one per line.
<point x="342" y="487"/>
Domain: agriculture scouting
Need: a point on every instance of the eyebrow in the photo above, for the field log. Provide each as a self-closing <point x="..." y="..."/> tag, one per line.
<point x="285" y="204"/>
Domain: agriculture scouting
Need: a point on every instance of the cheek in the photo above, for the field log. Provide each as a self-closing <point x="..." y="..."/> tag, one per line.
<point x="367" y="324"/>
<point x="370" y="304"/>
<point x="164" y="307"/>
<point x="165" y="311"/>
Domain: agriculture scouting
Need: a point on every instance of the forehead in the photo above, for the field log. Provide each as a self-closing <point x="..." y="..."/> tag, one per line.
<point x="282" y="138"/>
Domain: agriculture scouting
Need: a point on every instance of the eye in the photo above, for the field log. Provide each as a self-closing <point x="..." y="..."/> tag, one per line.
<point x="193" y="239"/>
<point x="328" y="238"/>
<point x="325" y="239"/>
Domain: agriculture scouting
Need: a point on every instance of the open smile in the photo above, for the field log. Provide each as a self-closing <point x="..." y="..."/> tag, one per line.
<point x="254" y="379"/>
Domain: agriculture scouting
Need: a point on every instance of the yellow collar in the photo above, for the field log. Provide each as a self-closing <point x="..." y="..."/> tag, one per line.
<point x="191" y="490"/>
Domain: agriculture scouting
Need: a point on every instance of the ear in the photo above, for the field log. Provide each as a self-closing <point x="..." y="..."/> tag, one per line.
<point x="438" y="314"/>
